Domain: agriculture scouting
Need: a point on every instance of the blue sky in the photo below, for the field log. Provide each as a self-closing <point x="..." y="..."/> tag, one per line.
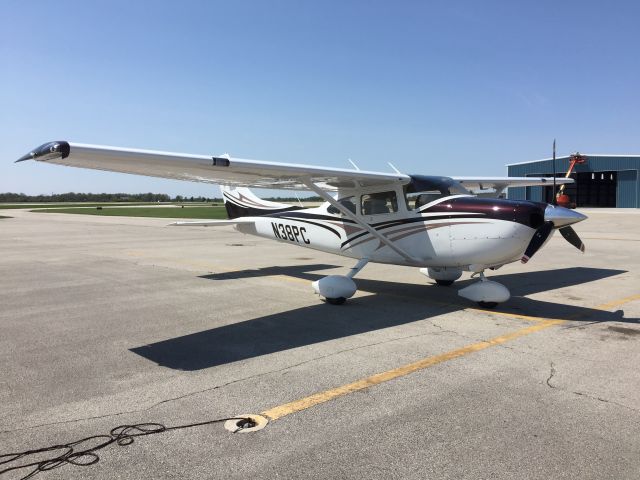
<point x="451" y="88"/>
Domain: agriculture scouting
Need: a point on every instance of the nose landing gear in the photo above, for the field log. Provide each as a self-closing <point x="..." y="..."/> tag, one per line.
<point x="487" y="293"/>
<point x="443" y="276"/>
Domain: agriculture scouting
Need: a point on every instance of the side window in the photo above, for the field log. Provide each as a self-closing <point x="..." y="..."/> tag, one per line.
<point x="347" y="202"/>
<point x="419" y="199"/>
<point x="379" y="203"/>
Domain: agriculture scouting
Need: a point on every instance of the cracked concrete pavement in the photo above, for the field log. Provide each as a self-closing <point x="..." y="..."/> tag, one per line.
<point x="109" y="321"/>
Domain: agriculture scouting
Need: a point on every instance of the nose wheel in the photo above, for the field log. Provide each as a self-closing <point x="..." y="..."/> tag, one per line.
<point x="486" y="293"/>
<point x="336" y="301"/>
<point x="488" y="304"/>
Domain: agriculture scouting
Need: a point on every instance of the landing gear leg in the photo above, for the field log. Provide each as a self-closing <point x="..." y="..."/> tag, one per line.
<point x="359" y="266"/>
<point x="337" y="288"/>
<point x="487" y="293"/>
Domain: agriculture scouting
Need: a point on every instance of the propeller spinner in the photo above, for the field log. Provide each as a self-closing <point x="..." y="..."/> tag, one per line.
<point x="555" y="218"/>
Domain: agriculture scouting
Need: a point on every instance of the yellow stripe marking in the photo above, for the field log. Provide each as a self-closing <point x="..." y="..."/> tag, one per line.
<point x="617" y="303"/>
<point x="518" y="316"/>
<point x="613" y="239"/>
<point x="322" y="397"/>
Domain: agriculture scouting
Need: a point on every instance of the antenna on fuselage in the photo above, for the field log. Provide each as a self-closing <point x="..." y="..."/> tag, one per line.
<point x="353" y="163"/>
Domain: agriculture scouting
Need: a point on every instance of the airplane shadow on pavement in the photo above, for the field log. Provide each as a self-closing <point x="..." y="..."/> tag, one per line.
<point x="321" y="322"/>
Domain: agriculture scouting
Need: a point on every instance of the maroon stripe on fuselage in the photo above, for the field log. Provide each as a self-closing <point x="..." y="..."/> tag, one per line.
<point x="526" y="213"/>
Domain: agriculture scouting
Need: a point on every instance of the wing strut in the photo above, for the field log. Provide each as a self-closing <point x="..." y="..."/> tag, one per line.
<point x="312" y="186"/>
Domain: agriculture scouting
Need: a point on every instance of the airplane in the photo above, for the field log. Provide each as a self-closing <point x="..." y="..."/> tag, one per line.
<point x="441" y="225"/>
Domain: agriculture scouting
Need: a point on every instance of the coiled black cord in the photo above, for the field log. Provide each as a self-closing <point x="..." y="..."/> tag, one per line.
<point x="121" y="435"/>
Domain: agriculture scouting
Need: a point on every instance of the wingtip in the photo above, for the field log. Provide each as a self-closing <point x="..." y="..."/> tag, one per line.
<point x="47" y="151"/>
<point x="24" y="158"/>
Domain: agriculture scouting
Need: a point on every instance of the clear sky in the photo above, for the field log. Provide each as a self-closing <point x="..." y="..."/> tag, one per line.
<point x="451" y="87"/>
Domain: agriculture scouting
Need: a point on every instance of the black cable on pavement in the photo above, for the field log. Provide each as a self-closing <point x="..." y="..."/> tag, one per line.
<point x="121" y="435"/>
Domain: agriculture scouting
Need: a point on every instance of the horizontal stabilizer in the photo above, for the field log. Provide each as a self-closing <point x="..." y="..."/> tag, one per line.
<point x="211" y="223"/>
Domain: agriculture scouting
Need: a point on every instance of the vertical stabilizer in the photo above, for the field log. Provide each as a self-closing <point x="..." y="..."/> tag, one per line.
<point x="242" y="202"/>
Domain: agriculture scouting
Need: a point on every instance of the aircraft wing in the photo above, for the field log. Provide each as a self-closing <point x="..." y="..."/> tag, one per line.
<point x="223" y="170"/>
<point x="476" y="184"/>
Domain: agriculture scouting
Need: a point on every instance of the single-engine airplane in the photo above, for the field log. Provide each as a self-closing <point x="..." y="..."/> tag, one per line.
<point x="434" y="223"/>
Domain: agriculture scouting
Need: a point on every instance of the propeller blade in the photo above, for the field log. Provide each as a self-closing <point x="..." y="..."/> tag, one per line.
<point x="537" y="241"/>
<point x="572" y="237"/>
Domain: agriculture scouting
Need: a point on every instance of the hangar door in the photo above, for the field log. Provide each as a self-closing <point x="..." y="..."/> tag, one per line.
<point x="596" y="189"/>
<point x="591" y="189"/>
<point x="627" y="194"/>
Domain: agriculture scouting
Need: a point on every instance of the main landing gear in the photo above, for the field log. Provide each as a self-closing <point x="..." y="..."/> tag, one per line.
<point x="337" y="288"/>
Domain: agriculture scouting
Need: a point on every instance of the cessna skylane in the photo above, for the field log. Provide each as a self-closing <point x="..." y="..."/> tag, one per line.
<point x="442" y="225"/>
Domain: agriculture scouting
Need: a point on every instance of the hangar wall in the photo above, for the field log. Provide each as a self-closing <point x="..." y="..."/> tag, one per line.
<point x="623" y="169"/>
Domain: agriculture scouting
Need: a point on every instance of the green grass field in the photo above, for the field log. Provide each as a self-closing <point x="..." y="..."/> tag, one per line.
<point x="7" y="206"/>
<point x="202" y="212"/>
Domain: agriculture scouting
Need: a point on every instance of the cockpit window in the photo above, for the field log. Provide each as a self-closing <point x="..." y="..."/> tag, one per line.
<point x="379" y="203"/>
<point x="425" y="189"/>
<point x="419" y="199"/>
<point x="346" y="202"/>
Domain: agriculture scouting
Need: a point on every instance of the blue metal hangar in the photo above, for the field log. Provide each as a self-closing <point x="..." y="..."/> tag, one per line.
<point x="600" y="181"/>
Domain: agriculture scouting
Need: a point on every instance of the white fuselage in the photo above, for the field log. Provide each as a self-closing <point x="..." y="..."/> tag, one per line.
<point x="460" y="240"/>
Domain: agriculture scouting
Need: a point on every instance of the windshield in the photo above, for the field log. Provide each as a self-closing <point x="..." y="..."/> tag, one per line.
<point x="346" y="202"/>
<point x="425" y="189"/>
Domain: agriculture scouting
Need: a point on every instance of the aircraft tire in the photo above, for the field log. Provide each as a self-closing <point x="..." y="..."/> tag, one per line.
<point x="336" y="301"/>
<point x="444" y="283"/>
<point x="488" y="304"/>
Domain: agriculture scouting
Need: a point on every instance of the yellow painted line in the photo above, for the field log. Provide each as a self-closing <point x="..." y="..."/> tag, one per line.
<point x="322" y="397"/>
<point x="518" y="316"/>
<point x="613" y="239"/>
<point x="280" y="411"/>
<point x="617" y="303"/>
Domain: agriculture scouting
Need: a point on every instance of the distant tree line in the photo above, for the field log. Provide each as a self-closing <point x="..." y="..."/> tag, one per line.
<point x="124" y="197"/>
<point x="293" y="199"/>
<point x="98" y="197"/>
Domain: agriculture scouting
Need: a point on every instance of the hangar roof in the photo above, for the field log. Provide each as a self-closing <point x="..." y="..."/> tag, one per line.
<point x="567" y="156"/>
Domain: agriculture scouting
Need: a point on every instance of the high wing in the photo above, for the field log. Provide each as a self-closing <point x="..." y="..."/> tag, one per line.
<point x="223" y="170"/>
<point x="476" y="184"/>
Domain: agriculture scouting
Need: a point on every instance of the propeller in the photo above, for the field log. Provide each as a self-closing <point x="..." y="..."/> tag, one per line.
<point x="572" y="237"/>
<point x="537" y="241"/>
<point x="555" y="217"/>
<point x="558" y="218"/>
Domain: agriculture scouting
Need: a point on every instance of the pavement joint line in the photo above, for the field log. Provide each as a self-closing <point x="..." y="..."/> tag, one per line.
<point x="305" y="403"/>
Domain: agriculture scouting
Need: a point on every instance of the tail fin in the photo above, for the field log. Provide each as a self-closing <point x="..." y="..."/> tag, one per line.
<point x="241" y="202"/>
